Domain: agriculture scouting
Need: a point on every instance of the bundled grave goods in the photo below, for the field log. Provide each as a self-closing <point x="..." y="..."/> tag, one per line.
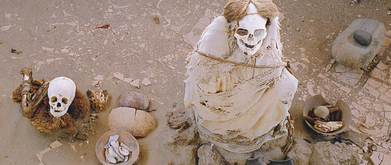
<point x="325" y="118"/>
<point x="237" y="84"/>
<point x="57" y="106"/>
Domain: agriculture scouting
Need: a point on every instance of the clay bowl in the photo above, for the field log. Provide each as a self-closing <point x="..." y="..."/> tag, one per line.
<point x="318" y="100"/>
<point x="124" y="137"/>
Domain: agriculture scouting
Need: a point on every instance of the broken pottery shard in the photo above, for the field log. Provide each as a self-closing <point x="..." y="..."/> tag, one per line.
<point x="50" y="50"/>
<point x="40" y="154"/>
<point x="111" y="139"/>
<point x="5" y="28"/>
<point x="119" y="75"/>
<point x="97" y="99"/>
<point x="135" y="83"/>
<point x="109" y="158"/>
<point x="124" y="149"/>
<point x="146" y="82"/>
<point x="55" y="144"/>
<point x="128" y="80"/>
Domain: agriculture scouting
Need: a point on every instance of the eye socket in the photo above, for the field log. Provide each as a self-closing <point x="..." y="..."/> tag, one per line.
<point x="65" y="100"/>
<point x="259" y="32"/>
<point x="53" y="99"/>
<point x="241" y="32"/>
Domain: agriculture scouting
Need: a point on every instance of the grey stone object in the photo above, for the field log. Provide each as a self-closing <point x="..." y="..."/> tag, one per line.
<point x="358" y="44"/>
<point x="362" y="37"/>
<point x="326" y="153"/>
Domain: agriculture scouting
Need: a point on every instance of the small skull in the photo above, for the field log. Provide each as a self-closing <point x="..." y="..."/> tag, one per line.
<point x="251" y="31"/>
<point x="61" y="93"/>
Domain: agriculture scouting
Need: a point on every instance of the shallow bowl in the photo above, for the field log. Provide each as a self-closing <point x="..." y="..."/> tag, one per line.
<point x="124" y="137"/>
<point x="318" y="100"/>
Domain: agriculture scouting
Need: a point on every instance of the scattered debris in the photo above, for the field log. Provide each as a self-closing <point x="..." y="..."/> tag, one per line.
<point x="157" y="20"/>
<point x="355" y="1"/>
<point x="106" y="26"/>
<point x="6" y="27"/>
<point x="97" y="99"/>
<point x="52" y="146"/>
<point x="135" y="83"/>
<point x="146" y="82"/>
<point x="15" y="51"/>
<point x="50" y="50"/>
<point x="178" y="120"/>
<point x="97" y="80"/>
<point x="119" y="75"/>
<point x="73" y="147"/>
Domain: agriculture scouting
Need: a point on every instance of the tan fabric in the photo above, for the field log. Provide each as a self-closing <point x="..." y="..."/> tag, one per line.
<point x="236" y="107"/>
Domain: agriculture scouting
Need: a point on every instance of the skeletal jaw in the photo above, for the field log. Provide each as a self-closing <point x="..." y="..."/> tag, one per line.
<point x="249" y="45"/>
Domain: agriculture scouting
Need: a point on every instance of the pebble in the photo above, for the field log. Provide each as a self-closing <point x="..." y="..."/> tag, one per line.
<point x="362" y="37"/>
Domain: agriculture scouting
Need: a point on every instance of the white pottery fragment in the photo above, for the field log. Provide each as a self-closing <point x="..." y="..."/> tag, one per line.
<point x="124" y="149"/>
<point x="135" y="83"/>
<point x="146" y="82"/>
<point x="109" y="158"/>
<point x="111" y="139"/>
<point x="139" y="123"/>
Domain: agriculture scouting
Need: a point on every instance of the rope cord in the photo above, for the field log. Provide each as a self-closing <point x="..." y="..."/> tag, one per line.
<point x="236" y="63"/>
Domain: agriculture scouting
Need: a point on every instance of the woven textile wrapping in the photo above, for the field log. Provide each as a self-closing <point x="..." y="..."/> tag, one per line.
<point x="237" y="107"/>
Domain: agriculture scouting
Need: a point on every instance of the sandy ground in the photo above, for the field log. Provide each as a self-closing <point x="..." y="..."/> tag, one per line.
<point x="149" y="40"/>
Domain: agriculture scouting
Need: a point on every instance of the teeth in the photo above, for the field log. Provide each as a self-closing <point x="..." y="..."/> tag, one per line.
<point x="247" y="45"/>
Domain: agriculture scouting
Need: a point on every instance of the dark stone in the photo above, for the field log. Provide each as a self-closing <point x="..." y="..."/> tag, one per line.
<point x="362" y="37"/>
<point x="254" y="161"/>
<point x="282" y="162"/>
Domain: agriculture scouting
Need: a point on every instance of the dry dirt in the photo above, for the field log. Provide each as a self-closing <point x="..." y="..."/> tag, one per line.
<point x="149" y="40"/>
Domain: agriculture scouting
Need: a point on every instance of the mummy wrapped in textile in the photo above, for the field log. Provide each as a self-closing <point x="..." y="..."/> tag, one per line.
<point x="237" y="84"/>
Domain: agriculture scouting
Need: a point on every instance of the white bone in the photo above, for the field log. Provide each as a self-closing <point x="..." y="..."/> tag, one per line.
<point x="255" y="25"/>
<point x="61" y="93"/>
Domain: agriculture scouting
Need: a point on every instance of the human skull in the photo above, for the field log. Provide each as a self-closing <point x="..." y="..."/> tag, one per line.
<point x="61" y="93"/>
<point x="251" y="31"/>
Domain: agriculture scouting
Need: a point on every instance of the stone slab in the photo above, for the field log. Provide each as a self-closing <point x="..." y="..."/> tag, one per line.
<point x="349" y="52"/>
